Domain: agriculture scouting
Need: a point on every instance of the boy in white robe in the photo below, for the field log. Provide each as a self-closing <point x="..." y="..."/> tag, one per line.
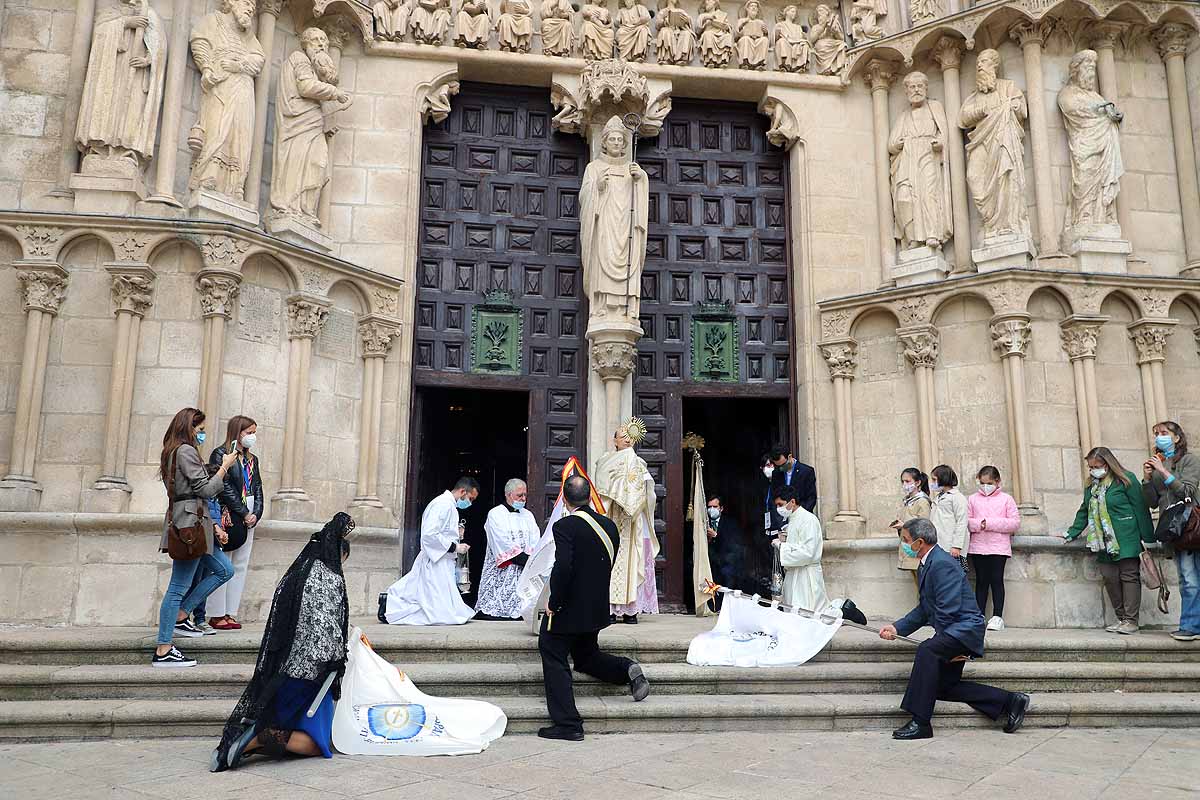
<point x="428" y="594"/>
<point x="512" y="533"/>
<point x="800" y="549"/>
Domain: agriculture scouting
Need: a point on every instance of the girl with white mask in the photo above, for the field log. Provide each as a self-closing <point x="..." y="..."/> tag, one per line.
<point x="241" y="500"/>
<point x="992" y="519"/>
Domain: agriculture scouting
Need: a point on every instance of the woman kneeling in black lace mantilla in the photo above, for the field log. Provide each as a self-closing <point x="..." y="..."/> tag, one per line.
<point x="303" y="646"/>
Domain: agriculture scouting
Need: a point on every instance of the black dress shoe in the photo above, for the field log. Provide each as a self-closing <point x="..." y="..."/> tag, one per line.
<point x="1017" y="707"/>
<point x="913" y="730"/>
<point x="559" y="732"/>
<point x="629" y="619"/>
<point x="382" y="616"/>
<point x="639" y="686"/>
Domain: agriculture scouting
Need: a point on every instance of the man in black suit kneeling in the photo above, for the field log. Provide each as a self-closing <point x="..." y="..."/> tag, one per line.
<point x="585" y="544"/>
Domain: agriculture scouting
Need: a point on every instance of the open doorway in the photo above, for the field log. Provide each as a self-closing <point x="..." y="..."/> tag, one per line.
<point x="456" y="432"/>
<point x="737" y="432"/>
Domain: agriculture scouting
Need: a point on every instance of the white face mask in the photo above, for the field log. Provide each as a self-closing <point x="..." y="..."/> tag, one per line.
<point x="1098" y="472"/>
<point x="908" y="488"/>
<point x="784" y="511"/>
<point x="987" y="488"/>
<point x="934" y="487"/>
<point x="713" y="513"/>
<point x="768" y="471"/>
<point x="249" y="440"/>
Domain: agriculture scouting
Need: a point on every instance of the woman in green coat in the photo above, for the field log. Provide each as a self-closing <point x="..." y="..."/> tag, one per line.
<point x="1115" y="519"/>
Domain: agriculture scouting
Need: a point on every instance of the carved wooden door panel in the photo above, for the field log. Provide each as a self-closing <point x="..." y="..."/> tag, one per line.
<point x="715" y="291"/>
<point x="499" y="281"/>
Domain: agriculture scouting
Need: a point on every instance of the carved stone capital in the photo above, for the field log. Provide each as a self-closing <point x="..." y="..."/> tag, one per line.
<point x="1011" y="334"/>
<point x="613" y="361"/>
<point x="785" y="127"/>
<point x="435" y="103"/>
<point x="1172" y="39"/>
<point x="306" y="316"/>
<point x="947" y="52"/>
<point x="920" y="345"/>
<point x="1105" y="34"/>
<point x="1027" y="32"/>
<point x="841" y="358"/>
<point x="39" y="241"/>
<point x="339" y="30"/>
<point x="43" y="286"/>
<point x="132" y="290"/>
<point x="223" y="252"/>
<point x="217" y="292"/>
<point x="879" y="75"/>
<point x="376" y="336"/>
<point x="272" y="7"/>
<point x="1150" y="339"/>
<point x="1080" y="336"/>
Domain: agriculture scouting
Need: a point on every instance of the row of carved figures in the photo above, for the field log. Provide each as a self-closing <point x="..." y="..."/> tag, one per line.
<point x="745" y="42"/>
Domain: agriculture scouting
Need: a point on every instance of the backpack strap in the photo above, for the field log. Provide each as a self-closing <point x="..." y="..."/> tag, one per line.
<point x="595" y="526"/>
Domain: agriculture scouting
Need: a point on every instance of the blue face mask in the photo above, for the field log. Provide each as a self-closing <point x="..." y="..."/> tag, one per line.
<point x="1166" y="443"/>
<point x="908" y="550"/>
<point x="200" y="437"/>
<point x="462" y="503"/>
<point x="518" y="504"/>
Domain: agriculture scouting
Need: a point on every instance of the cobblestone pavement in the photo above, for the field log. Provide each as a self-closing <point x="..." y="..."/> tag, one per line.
<point x="1135" y="763"/>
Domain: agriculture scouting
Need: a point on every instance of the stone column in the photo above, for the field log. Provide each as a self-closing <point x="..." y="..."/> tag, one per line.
<point x="306" y="317"/>
<point x="878" y="76"/>
<point x="376" y="336"/>
<point x="132" y="295"/>
<point x="1150" y="338"/>
<point x="81" y="48"/>
<point x="920" y="345"/>
<point x="172" y="106"/>
<point x="948" y="54"/>
<point x="611" y="360"/>
<point x="842" y="358"/>
<point x="268" y="15"/>
<point x="218" y="289"/>
<point x="1031" y="36"/>
<point x="1010" y="338"/>
<point x="1104" y="40"/>
<point x="1079" y="337"/>
<point x="1172" y="40"/>
<point x="44" y="284"/>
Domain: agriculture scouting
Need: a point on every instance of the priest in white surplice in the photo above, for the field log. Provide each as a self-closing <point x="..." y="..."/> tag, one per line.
<point x="800" y="554"/>
<point x="625" y="487"/>
<point x="512" y="533"/>
<point x="428" y="594"/>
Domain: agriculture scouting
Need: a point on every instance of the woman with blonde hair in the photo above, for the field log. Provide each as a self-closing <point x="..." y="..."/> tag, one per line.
<point x="1115" y="518"/>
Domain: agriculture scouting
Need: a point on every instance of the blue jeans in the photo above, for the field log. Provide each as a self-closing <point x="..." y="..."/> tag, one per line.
<point x="1189" y="589"/>
<point x="182" y="596"/>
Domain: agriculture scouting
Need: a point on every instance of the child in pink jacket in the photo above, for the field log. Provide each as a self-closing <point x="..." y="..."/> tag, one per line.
<point x="992" y="519"/>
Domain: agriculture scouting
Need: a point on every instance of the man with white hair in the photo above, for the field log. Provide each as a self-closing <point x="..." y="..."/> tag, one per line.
<point x="512" y="533"/>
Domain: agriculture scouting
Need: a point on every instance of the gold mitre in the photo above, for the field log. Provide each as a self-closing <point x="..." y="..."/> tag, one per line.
<point x="635" y="429"/>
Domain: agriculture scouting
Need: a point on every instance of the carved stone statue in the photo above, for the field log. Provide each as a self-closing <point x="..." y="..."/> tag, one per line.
<point x="752" y="40"/>
<point x="229" y="57"/>
<point x="558" y="35"/>
<point x="792" y="50"/>
<point x="613" y="184"/>
<point x="474" y="24"/>
<point x="596" y="31"/>
<point x="391" y="19"/>
<point x="924" y="10"/>
<point x="675" y="42"/>
<point x="864" y="19"/>
<point x="920" y="169"/>
<point x="1094" y="141"/>
<point x="514" y="28"/>
<point x="828" y="42"/>
<point x="633" y="30"/>
<point x="430" y="21"/>
<point x="301" y="154"/>
<point x="994" y="113"/>
<point x="716" y="34"/>
<point x="118" y="114"/>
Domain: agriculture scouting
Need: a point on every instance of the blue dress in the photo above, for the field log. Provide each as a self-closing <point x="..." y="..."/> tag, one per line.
<point x="290" y="712"/>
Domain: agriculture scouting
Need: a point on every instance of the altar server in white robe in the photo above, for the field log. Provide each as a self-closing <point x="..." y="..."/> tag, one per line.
<point x="428" y="594"/>
<point x="800" y="553"/>
<point x="512" y="533"/>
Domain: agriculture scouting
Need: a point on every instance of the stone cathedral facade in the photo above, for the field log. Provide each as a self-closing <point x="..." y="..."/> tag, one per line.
<point x="925" y="230"/>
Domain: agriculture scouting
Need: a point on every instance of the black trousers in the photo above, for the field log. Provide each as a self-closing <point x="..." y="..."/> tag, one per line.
<point x="584" y="650"/>
<point x="935" y="678"/>
<point x="989" y="574"/>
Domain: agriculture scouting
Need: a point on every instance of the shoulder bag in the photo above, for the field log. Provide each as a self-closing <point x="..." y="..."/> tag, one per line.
<point x="183" y="544"/>
<point x="1152" y="578"/>
<point x="1179" y="525"/>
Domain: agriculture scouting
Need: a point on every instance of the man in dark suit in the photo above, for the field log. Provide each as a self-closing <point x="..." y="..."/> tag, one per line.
<point x="948" y="604"/>
<point x="585" y="544"/>
<point x="788" y="471"/>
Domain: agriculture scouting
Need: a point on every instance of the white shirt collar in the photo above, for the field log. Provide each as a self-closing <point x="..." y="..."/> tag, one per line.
<point x="926" y="556"/>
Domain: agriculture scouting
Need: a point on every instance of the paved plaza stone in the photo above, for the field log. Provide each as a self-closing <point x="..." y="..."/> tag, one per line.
<point x="1065" y="764"/>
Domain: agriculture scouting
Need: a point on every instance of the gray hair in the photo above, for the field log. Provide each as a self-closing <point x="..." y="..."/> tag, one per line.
<point x="921" y="528"/>
<point x="514" y="484"/>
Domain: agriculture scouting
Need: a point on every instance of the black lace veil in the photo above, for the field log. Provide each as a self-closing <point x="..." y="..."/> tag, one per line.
<point x="325" y="546"/>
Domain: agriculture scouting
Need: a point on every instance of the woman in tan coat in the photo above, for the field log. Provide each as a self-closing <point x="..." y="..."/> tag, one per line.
<point x="914" y="489"/>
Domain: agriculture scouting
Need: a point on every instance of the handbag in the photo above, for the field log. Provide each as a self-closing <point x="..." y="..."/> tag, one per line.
<point x="183" y="544"/>
<point x="1152" y="578"/>
<point x="1179" y="526"/>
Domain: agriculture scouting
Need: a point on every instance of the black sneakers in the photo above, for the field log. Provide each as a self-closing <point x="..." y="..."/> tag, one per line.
<point x="382" y="616"/>
<point x="188" y="629"/>
<point x="172" y="658"/>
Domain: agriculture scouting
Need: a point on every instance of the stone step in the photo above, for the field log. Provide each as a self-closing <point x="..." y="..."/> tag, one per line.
<point x="143" y="682"/>
<point x="657" y="640"/>
<point x="114" y="718"/>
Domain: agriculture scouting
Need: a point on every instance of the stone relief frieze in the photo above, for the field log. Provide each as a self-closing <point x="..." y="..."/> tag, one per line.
<point x="835" y="324"/>
<point x="131" y="246"/>
<point x="39" y="241"/>
<point x="223" y="252"/>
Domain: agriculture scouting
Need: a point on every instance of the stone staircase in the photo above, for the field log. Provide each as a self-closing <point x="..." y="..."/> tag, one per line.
<point x="97" y="682"/>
